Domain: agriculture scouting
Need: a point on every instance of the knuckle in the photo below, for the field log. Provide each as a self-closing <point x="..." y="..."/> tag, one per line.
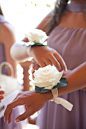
<point x="56" y="63"/>
<point x="9" y="106"/>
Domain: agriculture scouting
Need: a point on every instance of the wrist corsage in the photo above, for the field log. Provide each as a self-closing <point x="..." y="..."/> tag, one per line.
<point x="20" y="50"/>
<point x="36" y="37"/>
<point x="49" y="78"/>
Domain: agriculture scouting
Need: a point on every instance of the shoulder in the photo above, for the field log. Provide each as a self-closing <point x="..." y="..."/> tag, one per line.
<point x="8" y="28"/>
<point x="45" y="20"/>
<point x="7" y="33"/>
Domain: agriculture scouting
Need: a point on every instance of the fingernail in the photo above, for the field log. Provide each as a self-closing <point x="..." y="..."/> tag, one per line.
<point x="17" y="120"/>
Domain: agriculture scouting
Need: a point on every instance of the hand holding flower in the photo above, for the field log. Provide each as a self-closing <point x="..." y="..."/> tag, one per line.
<point x="43" y="55"/>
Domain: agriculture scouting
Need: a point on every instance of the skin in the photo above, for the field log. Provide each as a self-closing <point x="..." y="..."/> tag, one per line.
<point x="76" y="78"/>
<point x="54" y="57"/>
<point x="7" y="31"/>
<point x="51" y="56"/>
<point x="35" y="101"/>
<point x="1" y="94"/>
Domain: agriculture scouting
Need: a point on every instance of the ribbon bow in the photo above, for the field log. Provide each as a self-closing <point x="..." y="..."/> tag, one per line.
<point x="64" y="103"/>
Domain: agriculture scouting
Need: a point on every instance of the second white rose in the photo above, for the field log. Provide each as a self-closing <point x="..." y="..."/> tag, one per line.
<point x="47" y="77"/>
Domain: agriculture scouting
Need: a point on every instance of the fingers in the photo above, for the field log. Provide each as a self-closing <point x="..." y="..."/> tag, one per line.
<point x="1" y="94"/>
<point x="9" y="108"/>
<point x="1" y="91"/>
<point x="1" y="97"/>
<point x="22" y="117"/>
<point x="47" y="61"/>
<point x="38" y="63"/>
<point x="61" y="61"/>
<point x="9" y="116"/>
<point x="50" y="56"/>
<point x="16" y="97"/>
<point x="35" y="66"/>
<point x="55" y="62"/>
<point x="41" y="63"/>
<point x="31" y="110"/>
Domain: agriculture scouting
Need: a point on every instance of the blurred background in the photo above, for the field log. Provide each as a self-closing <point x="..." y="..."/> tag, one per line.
<point x="25" y="15"/>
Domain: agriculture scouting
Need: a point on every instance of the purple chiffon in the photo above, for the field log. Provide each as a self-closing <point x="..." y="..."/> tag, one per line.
<point x="71" y="44"/>
<point x="17" y="111"/>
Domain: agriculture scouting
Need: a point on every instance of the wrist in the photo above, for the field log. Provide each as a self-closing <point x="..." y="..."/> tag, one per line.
<point x="48" y="95"/>
<point x="32" y="46"/>
<point x="52" y="94"/>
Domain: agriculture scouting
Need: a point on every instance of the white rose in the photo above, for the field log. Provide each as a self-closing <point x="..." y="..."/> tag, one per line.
<point x="37" y="36"/>
<point x="47" y="77"/>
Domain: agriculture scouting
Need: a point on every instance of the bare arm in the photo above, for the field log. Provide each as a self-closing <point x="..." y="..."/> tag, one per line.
<point x="76" y="80"/>
<point x="35" y="101"/>
<point x="7" y="37"/>
<point x="43" y="55"/>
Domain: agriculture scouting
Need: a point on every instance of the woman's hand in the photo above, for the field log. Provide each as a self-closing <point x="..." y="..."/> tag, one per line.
<point x="44" y="55"/>
<point x="84" y="89"/>
<point x="1" y="94"/>
<point x="35" y="66"/>
<point x="66" y="72"/>
<point x="32" y="100"/>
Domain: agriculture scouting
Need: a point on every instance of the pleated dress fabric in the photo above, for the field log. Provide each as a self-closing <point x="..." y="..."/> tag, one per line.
<point x="71" y="44"/>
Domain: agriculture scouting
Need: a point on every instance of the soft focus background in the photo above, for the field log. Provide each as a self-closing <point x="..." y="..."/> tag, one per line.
<point x="25" y="15"/>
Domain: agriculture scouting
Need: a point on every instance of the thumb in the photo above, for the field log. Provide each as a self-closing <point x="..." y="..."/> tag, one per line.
<point x="25" y="115"/>
<point x="21" y="117"/>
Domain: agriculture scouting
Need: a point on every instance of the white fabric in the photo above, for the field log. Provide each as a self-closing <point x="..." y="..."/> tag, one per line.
<point x="61" y="101"/>
<point x="54" y="92"/>
<point x="8" y="83"/>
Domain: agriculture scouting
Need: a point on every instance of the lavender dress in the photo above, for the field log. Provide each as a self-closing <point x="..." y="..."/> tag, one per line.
<point x="71" y="44"/>
<point x="17" y="111"/>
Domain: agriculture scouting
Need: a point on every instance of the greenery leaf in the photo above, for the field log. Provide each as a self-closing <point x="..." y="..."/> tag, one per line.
<point x="63" y="82"/>
<point x="39" y="44"/>
<point x="33" y="44"/>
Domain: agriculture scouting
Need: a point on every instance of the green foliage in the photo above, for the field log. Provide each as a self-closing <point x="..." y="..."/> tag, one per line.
<point x="63" y="82"/>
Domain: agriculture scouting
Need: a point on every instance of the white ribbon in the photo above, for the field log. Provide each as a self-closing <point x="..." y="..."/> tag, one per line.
<point x="61" y="101"/>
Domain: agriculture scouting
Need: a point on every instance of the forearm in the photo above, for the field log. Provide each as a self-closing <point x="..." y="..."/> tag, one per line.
<point x="76" y="80"/>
